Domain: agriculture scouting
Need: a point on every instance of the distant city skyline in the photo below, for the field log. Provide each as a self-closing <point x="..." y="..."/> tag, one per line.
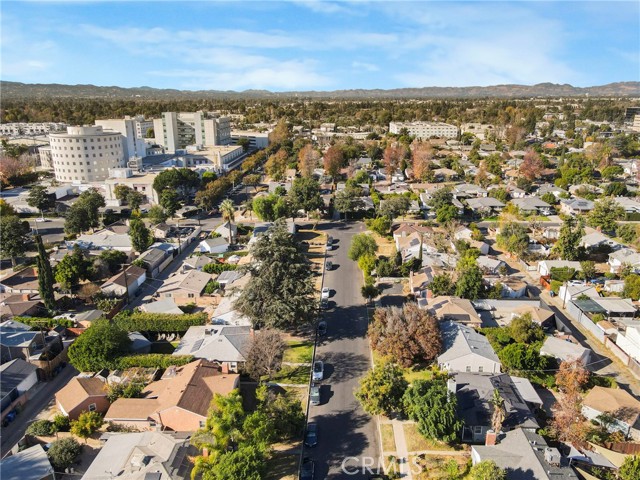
<point x="319" y="45"/>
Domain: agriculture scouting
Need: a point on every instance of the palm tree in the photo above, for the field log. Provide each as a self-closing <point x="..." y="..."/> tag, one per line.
<point x="497" y="418"/>
<point x="228" y="210"/>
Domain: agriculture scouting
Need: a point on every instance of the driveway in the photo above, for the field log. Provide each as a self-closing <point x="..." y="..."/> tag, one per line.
<point x="346" y="434"/>
<point x="44" y="395"/>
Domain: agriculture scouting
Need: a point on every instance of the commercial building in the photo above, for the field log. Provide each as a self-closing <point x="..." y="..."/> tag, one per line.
<point x="133" y="131"/>
<point x="85" y="154"/>
<point x="175" y="130"/>
<point x="142" y="183"/>
<point x="17" y="129"/>
<point x="256" y="139"/>
<point x="424" y="130"/>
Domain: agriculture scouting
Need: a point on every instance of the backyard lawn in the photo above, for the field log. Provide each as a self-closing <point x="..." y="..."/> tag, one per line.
<point x="298" y="351"/>
<point x="412" y="374"/>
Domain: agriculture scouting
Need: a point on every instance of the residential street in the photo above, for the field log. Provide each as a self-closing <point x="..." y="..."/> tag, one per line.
<point x="344" y="429"/>
<point x="12" y="433"/>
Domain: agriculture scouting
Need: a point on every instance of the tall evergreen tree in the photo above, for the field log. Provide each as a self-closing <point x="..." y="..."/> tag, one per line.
<point x="45" y="276"/>
<point x="280" y="293"/>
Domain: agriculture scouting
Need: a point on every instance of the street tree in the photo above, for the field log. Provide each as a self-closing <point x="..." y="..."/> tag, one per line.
<point x="305" y="195"/>
<point x="252" y="180"/>
<point x="72" y="268"/>
<point x="84" y="214"/>
<point x="408" y="335"/>
<point x="40" y="199"/>
<point x="362" y="244"/>
<point x="380" y="225"/>
<point x="381" y="390"/>
<point x="99" y="347"/>
<point x="183" y="181"/>
<point x="277" y="164"/>
<point x="605" y="214"/>
<point x="140" y="235"/>
<point x="280" y="134"/>
<point x="567" y="247"/>
<point x="433" y="407"/>
<point x="280" y="292"/>
<point x="348" y="200"/>
<point x="170" y="202"/>
<point x="264" y="355"/>
<point x="45" y="276"/>
<point x="13" y="237"/>
<point x="228" y="211"/>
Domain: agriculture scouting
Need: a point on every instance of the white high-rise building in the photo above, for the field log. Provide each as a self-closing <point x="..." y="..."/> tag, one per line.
<point x="424" y="130"/>
<point x="175" y="130"/>
<point x="133" y="130"/>
<point x="85" y="154"/>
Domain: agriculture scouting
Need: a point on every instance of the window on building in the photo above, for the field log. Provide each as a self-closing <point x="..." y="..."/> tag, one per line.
<point x="468" y="368"/>
<point x="92" y="407"/>
<point x="480" y="368"/>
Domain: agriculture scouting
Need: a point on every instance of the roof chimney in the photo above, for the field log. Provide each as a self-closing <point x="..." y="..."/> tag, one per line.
<point x="491" y="438"/>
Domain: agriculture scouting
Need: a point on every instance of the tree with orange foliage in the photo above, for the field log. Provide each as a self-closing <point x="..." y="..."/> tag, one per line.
<point x="421" y="155"/>
<point x="277" y="164"/>
<point x="392" y="158"/>
<point x="568" y="423"/>
<point x="308" y="159"/>
<point x="333" y="161"/>
<point x="532" y="166"/>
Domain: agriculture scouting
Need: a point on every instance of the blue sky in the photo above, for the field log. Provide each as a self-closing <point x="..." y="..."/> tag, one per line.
<point x="319" y="45"/>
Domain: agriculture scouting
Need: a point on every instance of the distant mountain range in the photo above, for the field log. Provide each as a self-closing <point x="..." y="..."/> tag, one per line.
<point x="25" y="90"/>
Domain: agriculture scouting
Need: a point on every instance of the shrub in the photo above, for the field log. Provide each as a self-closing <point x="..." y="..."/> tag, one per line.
<point x="211" y="287"/>
<point x="153" y="360"/>
<point x="218" y="267"/>
<point x="64" y="452"/>
<point x="41" y="428"/>
<point x="159" y="322"/>
<point x="86" y="424"/>
<point x="61" y="423"/>
<point x="44" y="322"/>
<point x="369" y="291"/>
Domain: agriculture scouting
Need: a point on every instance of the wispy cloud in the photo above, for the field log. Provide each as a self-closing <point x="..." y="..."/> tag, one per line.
<point x="369" y="67"/>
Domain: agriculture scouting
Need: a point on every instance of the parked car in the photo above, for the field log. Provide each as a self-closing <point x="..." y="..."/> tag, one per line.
<point x="314" y="394"/>
<point x="307" y="469"/>
<point x="324" y="304"/>
<point x="322" y="328"/>
<point x="329" y="265"/>
<point x="325" y="292"/>
<point x="318" y="370"/>
<point x="311" y="437"/>
<point x="329" y="242"/>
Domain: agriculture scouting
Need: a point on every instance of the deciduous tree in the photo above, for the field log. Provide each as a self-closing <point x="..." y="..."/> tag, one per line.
<point x="170" y="202"/>
<point x="13" y="237"/>
<point x="308" y="160"/>
<point x="395" y="206"/>
<point x="487" y="470"/>
<point x="40" y="199"/>
<point x="532" y="165"/>
<point x="362" y="244"/>
<point x="392" y="158"/>
<point x="568" y="423"/>
<point x="305" y="195"/>
<point x="264" y="356"/>
<point x="333" y="161"/>
<point x="86" y="424"/>
<point x="408" y="335"/>
<point x="140" y="235"/>
<point x="421" y="155"/>
<point x="605" y="214"/>
<point x="513" y="237"/>
<point x="72" y="268"/>
<point x="99" y="346"/>
<point x="348" y="200"/>
<point x="277" y="164"/>
<point x="381" y="390"/>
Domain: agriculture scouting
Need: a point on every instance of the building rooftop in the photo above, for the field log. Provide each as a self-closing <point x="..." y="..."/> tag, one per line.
<point x="29" y="464"/>
<point x="459" y="340"/>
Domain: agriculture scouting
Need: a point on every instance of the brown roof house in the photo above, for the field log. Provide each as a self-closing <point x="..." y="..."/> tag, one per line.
<point x="179" y="401"/>
<point x="617" y="403"/>
<point x="457" y="309"/>
<point x="129" y="280"/>
<point x="83" y="394"/>
<point x="24" y="281"/>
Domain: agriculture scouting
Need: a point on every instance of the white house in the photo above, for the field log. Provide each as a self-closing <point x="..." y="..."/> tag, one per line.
<point x="223" y="231"/>
<point x="595" y="239"/>
<point x="629" y="340"/>
<point x="619" y="404"/>
<point x="214" y="245"/>
<point x="465" y="350"/>
<point x="624" y="257"/>
<point x="545" y="266"/>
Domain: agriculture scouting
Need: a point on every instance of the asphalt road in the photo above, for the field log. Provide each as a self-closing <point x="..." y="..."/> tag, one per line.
<point x="344" y="429"/>
<point x="12" y="433"/>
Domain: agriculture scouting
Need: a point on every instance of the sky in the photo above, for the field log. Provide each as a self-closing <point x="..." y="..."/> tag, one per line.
<point x="319" y="45"/>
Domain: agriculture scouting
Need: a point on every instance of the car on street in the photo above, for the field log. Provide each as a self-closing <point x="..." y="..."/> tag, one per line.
<point x="324" y="304"/>
<point x="307" y="469"/>
<point x="42" y="219"/>
<point x="311" y="437"/>
<point x="329" y="243"/>
<point x="318" y="370"/>
<point x="322" y="328"/>
<point x="329" y="265"/>
<point x="325" y="292"/>
<point x="314" y="395"/>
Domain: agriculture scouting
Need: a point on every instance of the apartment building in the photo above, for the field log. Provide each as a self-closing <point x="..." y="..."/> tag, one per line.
<point x="424" y="130"/>
<point x="20" y="128"/>
<point x="175" y="130"/>
<point x="133" y="131"/>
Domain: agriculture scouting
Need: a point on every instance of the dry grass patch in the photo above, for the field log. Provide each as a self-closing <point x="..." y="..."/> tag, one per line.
<point x="441" y="467"/>
<point x="417" y="443"/>
<point x="386" y="246"/>
<point x="282" y="467"/>
<point x="388" y="439"/>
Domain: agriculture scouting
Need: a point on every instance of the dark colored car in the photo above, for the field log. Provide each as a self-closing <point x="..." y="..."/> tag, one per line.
<point x="311" y="437"/>
<point x="307" y="469"/>
<point x="322" y="328"/>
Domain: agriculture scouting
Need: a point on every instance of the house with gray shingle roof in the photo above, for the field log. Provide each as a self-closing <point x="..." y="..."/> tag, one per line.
<point x="485" y="204"/>
<point x="465" y="350"/>
<point x="225" y="344"/>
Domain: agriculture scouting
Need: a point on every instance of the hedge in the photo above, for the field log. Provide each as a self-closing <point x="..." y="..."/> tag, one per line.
<point x="159" y="322"/>
<point x="45" y="322"/>
<point x="153" y="360"/>
<point x="219" y="267"/>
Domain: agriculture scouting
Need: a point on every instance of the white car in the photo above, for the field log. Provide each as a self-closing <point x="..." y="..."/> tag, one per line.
<point x="325" y="292"/>
<point x="318" y="371"/>
<point x="42" y="219"/>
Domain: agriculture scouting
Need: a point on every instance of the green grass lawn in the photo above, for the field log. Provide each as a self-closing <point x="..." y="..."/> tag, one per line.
<point x="298" y="352"/>
<point x="416" y="442"/>
<point x="388" y="439"/>
<point x="412" y="374"/>
<point x="293" y="375"/>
